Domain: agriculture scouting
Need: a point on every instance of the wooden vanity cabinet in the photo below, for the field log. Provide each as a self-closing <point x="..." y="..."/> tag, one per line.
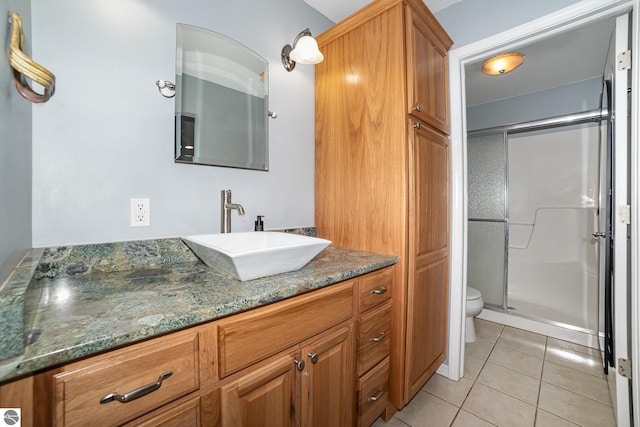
<point x="382" y="167"/>
<point x="292" y="362"/>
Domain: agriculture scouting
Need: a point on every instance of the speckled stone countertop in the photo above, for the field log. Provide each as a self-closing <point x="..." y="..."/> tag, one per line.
<point x="81" y="302"/>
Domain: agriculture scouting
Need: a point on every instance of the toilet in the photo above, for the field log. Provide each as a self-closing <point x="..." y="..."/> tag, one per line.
<point x="474" y="307"/>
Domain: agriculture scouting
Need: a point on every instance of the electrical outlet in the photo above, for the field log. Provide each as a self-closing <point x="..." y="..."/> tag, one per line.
<point x="140" y="213"/>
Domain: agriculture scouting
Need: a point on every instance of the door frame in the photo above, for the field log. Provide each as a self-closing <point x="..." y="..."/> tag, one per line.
<point x="568" y="18"/>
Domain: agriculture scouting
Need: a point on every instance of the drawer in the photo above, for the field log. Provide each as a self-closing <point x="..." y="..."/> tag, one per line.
<point x="185" y="414"/>
<point x="250" y="337"/>
<point x="374" y="340"/>
<point x="373" y="393"/>
<point x="79" y="390"/>
<point x="374" y="289"/>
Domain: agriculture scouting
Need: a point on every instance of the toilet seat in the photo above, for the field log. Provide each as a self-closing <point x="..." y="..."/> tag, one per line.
<point x="473" y="294"/>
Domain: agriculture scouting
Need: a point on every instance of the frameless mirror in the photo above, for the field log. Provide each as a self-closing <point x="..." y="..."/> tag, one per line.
<point x="222" y="104"/>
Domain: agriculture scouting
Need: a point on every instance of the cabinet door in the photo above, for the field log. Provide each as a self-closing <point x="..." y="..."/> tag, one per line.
<point x="428" y="282"/>
<point x="427" y="74"/>
<point x="264" y="397"/>
<point x="328" y="379"/>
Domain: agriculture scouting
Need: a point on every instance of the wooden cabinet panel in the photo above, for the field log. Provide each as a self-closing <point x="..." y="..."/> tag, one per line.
<point x="375" y="289"/>
<point x="263" y="397"/>
<point x="373" y="393"/>
<point x="185" y="414"/>
<point x="255" y="335"/>
<point x="427" y="331"/>
<point x="427" y="74"/>
<point x="328" y="380"/>
<point x="431" y="195"/>
<point x="78" y="391"/>
<point x="374" y="337"/>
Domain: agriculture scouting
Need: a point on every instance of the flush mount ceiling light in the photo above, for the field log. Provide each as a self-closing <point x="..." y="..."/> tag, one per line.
<point x="304" y="50"/>
<point x="502" y="64"/>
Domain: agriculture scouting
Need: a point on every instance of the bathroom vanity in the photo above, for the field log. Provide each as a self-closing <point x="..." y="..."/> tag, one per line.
<point x="148" y="335"/>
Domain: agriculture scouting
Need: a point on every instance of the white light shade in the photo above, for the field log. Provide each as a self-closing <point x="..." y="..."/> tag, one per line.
<point x="306" y="51"/>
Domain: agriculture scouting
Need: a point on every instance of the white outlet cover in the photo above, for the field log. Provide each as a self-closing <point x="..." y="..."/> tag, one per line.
<point x="140" y="213"/>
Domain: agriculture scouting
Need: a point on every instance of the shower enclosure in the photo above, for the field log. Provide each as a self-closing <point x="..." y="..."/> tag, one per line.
<point x="533" y="205"/>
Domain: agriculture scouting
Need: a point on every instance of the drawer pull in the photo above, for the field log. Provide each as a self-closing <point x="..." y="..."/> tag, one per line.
<point x="378" y="338"/>
<point x="313" y="357"/>
<point x="299" y="364"/>
<point x="418" y="107"/>
<point x="382" y="290"/>
<point x="377" y="396"/>
<point x="139" y="392"/>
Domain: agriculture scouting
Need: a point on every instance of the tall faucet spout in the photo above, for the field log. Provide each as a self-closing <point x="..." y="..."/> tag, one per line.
<point x="225" y="214"/>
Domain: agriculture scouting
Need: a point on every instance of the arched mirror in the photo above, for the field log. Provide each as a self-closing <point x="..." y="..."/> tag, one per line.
<point x="222" y="104"/>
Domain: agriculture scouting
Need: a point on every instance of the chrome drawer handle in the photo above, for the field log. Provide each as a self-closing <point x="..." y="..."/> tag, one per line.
<point x="139" y="392"/>
<point x="378" y="338"/>
<point x="382" y="290"/>
<point x="418" y="107"/>
<point x="299" y="364"/>
<point x="313" y="357"/>
<point x="377" y="396"/>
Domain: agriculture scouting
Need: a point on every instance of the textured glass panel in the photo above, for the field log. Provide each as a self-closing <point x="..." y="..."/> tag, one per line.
<point x="485" y="270"/>
<point x="486" y="176"/>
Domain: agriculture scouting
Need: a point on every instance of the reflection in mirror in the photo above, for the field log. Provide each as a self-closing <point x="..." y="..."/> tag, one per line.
<point x="221" y="101"/>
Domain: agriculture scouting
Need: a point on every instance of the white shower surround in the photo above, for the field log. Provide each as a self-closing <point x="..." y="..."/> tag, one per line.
<point x="553" y="201"/>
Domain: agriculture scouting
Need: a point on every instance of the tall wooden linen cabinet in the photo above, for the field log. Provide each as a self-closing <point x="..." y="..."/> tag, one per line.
<point x="382" y="168"/>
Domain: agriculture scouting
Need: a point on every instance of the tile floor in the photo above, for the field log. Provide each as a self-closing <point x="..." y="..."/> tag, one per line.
<point x="514" y="378"/>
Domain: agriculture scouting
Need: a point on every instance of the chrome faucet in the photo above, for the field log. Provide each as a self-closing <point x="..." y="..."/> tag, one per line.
<point x="226" y="207"/>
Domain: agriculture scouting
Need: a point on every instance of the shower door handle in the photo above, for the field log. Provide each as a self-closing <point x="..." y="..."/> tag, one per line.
<point x="597" y="234"/>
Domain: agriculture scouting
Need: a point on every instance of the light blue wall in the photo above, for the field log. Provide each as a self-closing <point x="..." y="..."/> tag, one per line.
<point x="472" y="20"/>
<point x="15" y="152"/>
<point x="107" y="134"/>
<point x="574" y="98"/>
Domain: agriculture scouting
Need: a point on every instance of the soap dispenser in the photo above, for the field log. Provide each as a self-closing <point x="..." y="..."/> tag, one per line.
<point x="259" y="226"/>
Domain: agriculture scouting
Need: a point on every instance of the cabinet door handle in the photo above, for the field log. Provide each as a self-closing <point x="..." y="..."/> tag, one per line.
<point x="299" y="364"/>
<point x="377" y="396"/>
<point x="313" y="357"/>
<point x="137" y="393"/>
<point x="378" y="338"/>
<point x="418" y="107"/>
<point x="417" y="125"/>
<point x="380" y="291"/>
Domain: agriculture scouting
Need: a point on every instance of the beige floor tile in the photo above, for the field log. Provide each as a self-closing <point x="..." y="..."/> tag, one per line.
<point x="554" y="342"/>
<point x="528" y="343"/>
<point x="510" y="382"/>
<point x="579" y="382"/>
<point x="575" y="360"/>
<point x="465" y="419"/>
<point x="427" y="410"/>
<point x="498" y="408"/>
<point x="574" y="407"/>
<point x="517" y="361"/>
<point x="532" y="336"/>
<point x="487" y="331"/>
<point x="393" y="422"/>
<point x="453" y="392"/>
<point x="480" y="349"/>
<point x="472" y="366"/>
<point x="545" y="419"/>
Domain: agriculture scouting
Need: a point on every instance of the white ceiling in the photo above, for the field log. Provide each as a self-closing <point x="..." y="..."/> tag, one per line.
<point x="566" y="58"/>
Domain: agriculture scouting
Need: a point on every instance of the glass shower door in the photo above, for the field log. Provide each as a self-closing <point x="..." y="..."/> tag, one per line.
<point x="488" y="217"/>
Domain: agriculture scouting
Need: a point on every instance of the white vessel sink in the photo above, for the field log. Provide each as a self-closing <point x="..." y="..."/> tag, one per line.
<point x="250" y="255"/>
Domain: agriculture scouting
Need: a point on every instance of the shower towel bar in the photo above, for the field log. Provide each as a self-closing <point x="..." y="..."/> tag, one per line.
<point x="25" y="68"/>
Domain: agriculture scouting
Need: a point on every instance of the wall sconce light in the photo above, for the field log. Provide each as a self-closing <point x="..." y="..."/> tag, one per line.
<point x="304" y="50"/>
<point x="502" y="64"/>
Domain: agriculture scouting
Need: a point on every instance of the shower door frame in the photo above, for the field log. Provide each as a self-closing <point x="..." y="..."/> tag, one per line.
<point x="505" y="220"/>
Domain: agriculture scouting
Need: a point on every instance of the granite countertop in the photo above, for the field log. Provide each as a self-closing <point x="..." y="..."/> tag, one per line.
<point x="84" y="300"/>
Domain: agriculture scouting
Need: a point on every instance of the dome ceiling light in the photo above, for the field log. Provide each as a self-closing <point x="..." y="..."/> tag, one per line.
<point x="502" y="64"/>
